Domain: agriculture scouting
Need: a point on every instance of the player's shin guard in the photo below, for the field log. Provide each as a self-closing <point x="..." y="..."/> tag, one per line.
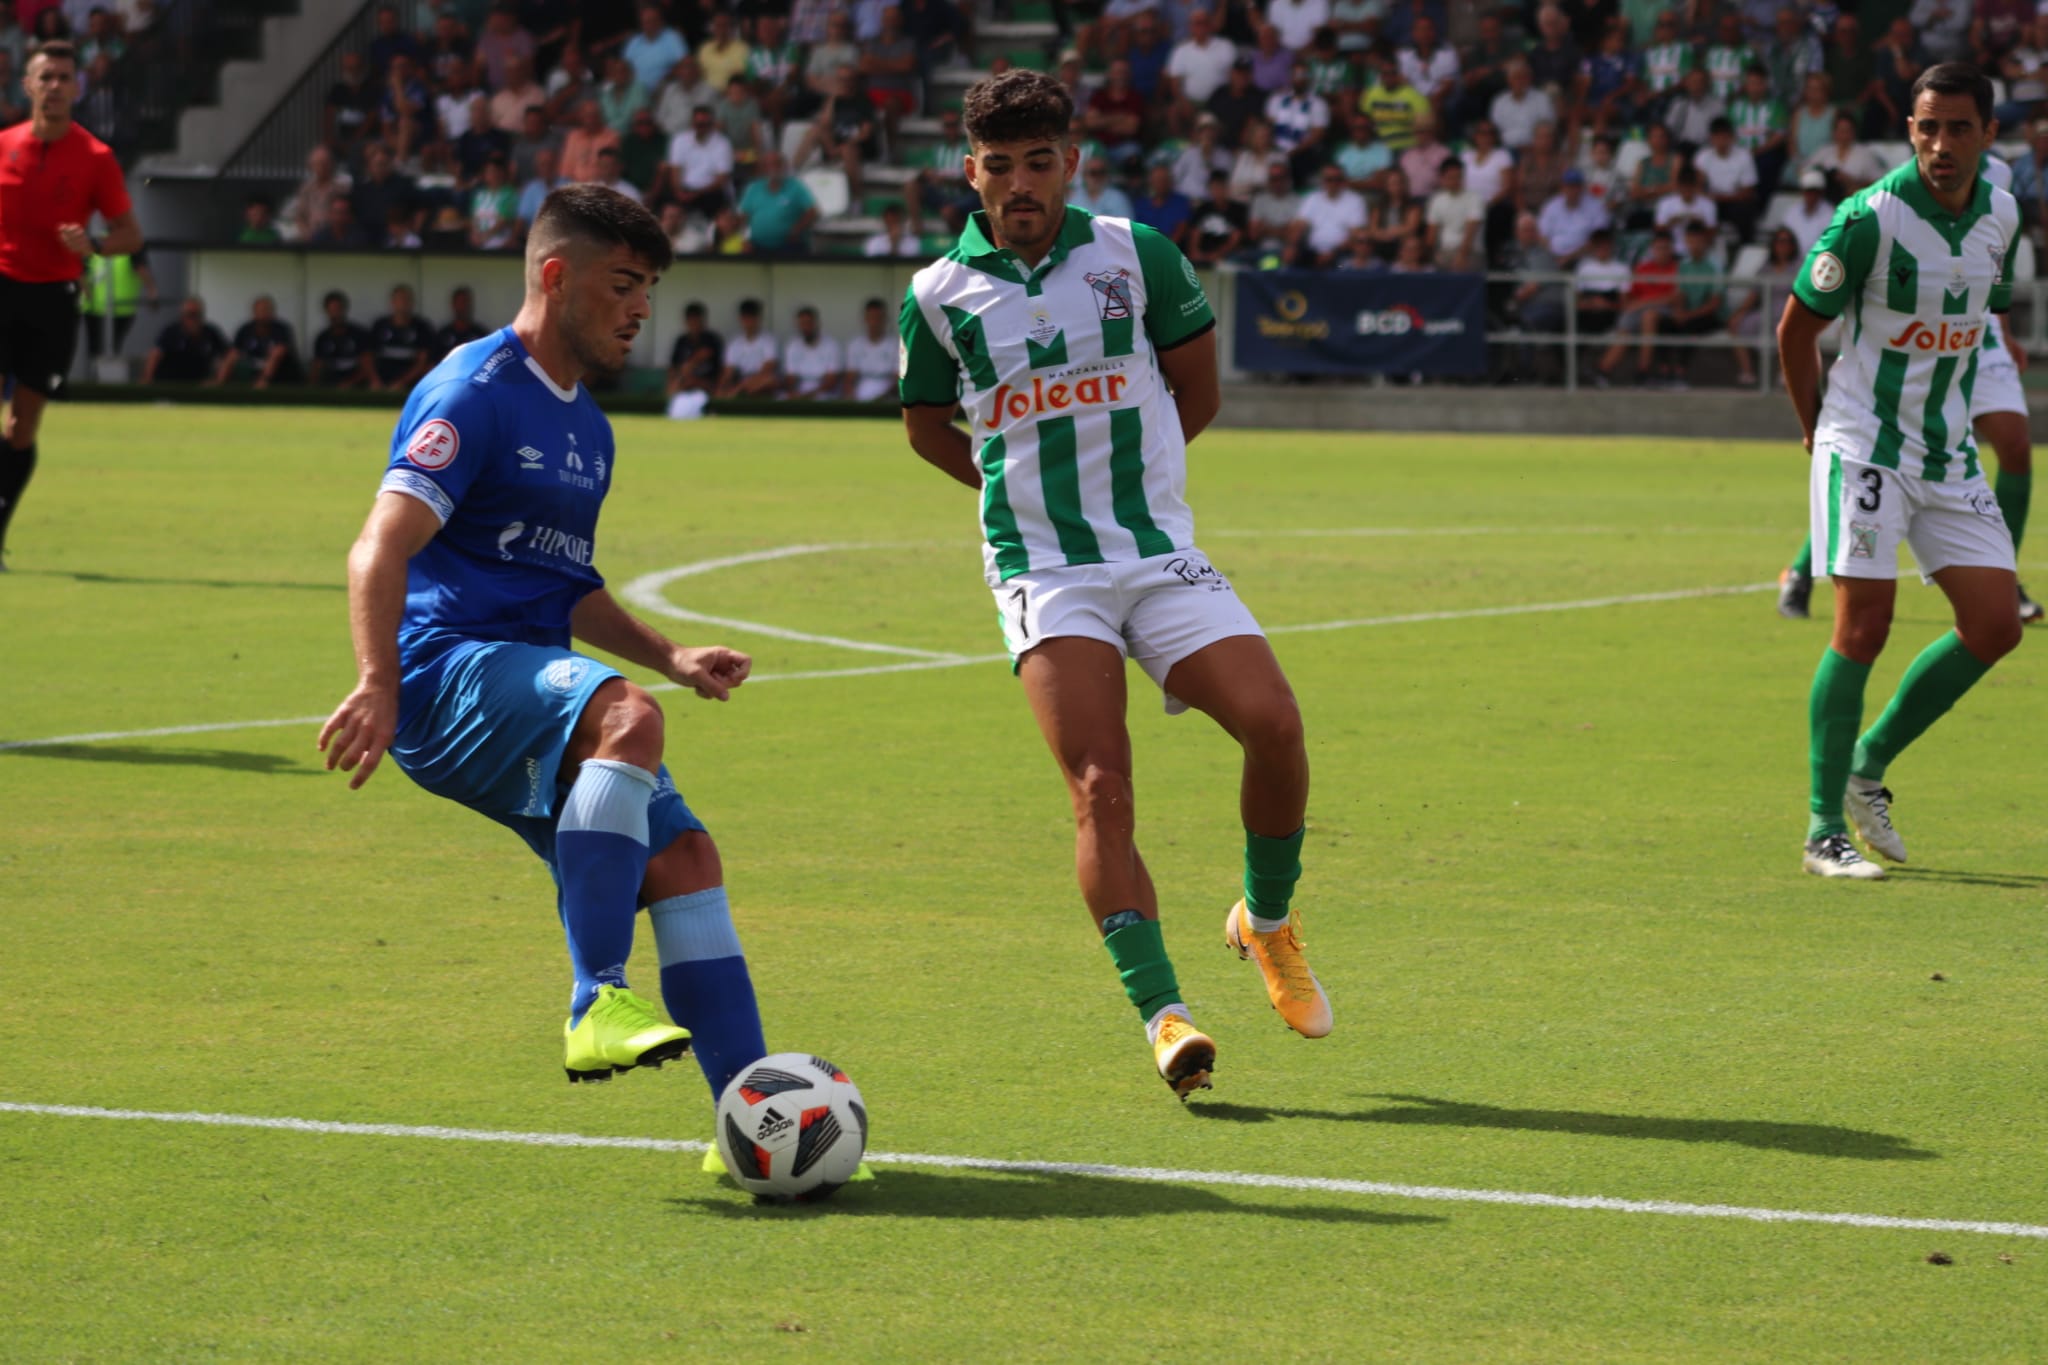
<point x="704" y="983"/>
<point x="1138" y="949"/>
<point x="1271" y="868"/>
<point x="1834" y="711"/>
<point x="600" y="861"/>
<point x="16" y="467"/>
<point x="2015" y="493"/>
<point x="1933" y="683"/>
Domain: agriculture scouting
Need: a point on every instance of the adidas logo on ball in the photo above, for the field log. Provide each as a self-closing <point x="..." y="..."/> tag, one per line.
<point x="772" y="1123"/>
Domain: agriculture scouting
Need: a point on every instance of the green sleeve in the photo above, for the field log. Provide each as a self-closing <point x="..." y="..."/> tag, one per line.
<point x="1176" y="309"/>
<point x="926" y="370"/>
<point x="1840" y="261"/>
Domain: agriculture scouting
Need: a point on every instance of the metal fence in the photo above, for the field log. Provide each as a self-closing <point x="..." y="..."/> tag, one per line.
<point x="280" y="142"/>
<point x="1563" y="348"/>
<point x="155" y="78"/>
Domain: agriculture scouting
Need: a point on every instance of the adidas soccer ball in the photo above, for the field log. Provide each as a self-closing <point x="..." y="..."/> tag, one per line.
<point x="791" y="1126"/>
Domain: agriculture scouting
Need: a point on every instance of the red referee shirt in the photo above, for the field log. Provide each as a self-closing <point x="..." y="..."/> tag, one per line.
<point x="43" y="184"/>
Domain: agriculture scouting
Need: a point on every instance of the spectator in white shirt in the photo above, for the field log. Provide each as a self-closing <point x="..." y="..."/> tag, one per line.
<point x="682" y="95"/>
<point x="1430" y="66"/>
<point x="1323" y="222"/>
<point x="1728" y="174"/>
<point x="1518" y="109"/>
<point x="1693" y="109"/>
<point x="1200" y="159"/>
<point x="451" y="106"/>
<point x="810" y="362"/>
<point x="1944" y="28"/>
<point x="752" y="359"/>
<point x="1686" y="204"/>
<point x="1570" y="219"/>
<point x="1601" y="279"/>
<point x="894" y="239"/>
<point x="1455" y="219"/>
<point x="871" y="357"/>
<point x="1848" y="165"/>
<point x="1200" y="66"/>
<point x="1297" y="20"/>
<point x="699" y="166"/>
<point x="1810" y="217"/>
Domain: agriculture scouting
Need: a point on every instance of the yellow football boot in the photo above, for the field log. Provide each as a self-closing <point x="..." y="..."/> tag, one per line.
<point x="1185" y="1055"/>
<point x="617" y="1033"/>
<point x="1290" y="985"/>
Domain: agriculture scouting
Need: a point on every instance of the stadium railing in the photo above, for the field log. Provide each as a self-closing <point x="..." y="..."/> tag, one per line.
<point x="279" y="144"/>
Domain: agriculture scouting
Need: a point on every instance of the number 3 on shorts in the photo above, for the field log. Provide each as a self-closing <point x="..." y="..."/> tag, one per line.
<point x="1873" y="497"/>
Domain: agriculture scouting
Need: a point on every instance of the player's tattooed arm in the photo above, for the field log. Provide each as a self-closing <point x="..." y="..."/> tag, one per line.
<point x="364" y="725"/>
<point x="711" y="671"/>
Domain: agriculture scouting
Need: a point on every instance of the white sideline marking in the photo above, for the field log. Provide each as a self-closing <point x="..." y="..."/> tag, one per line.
<point x="1092" y="1170"/>
<point x="928" y="660"/>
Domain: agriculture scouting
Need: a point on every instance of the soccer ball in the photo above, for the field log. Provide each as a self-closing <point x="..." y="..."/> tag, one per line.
<point x="791" y="1126"/>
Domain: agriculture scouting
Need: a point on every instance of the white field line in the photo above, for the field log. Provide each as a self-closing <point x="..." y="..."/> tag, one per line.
<point x="1090" y="1170"/>
<point x="928" y="661"/>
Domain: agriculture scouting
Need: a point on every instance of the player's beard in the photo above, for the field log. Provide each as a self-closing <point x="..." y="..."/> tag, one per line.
<point x="1042" y="225"/>
<point x="592" y="347"/>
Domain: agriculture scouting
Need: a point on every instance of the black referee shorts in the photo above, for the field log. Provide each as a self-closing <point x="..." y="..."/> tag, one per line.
<point x="38" y="333"/>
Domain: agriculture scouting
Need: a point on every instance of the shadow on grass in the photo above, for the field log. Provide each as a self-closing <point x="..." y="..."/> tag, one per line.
<point x="2015" y="881"/>
<point x="1804" y="1139"/>
<point x="235" y="760"/>
<point x="1007" y="1196"/>
<point x="144" y="581"/>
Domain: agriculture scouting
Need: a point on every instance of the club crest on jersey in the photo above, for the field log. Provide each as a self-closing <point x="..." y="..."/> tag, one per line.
<point x="1827" y="272"/>
<point x="434" y="445"/>
<point x="1940" y="339"/>
<point x="1112" y="294"/>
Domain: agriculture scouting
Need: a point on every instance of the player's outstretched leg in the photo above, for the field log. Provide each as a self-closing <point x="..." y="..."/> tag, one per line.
<point x="2006" y="433"/>
<point x="1238" y="683"/>
<point x="1076" y="688"/>
<point x="1795" y="585"/>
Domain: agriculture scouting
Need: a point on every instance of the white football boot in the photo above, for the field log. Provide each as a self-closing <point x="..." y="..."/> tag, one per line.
<point x="1869" y="805"/>
<point x="1835" y="856"/>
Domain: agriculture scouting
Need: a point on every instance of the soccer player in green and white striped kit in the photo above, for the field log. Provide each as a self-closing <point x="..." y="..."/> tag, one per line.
<point x="1917" y="262"/>
<point x="1083" y="351"/>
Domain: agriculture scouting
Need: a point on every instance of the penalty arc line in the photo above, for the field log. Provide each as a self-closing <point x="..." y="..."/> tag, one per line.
<point x="921" y="665"/>
<point x="1087" y="1170"/>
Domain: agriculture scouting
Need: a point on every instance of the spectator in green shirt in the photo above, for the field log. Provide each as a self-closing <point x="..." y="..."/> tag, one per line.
<point x="259" y="227"/>
<point x="1699" y="308"/>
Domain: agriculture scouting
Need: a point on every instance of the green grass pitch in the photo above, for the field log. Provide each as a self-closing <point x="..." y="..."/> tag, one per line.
<point x="1552" y="886"/>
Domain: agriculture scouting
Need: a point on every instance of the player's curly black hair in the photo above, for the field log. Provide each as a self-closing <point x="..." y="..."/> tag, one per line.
<point x="603" y="217"/>
<point x="1017" y="106"/>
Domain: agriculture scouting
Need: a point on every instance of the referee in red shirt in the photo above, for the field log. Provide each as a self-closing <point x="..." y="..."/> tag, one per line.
<point x="53" y="177"/>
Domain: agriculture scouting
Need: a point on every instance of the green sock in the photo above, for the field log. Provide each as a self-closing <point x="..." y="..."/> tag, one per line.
<point x="2014" y="492"/>
<point x="1139" y="952"/>
<point x="1935" y="682"/>
<point x="1271" y="868"/>
<point x="1834" y="710"/>
<point x="1803" y="566"/>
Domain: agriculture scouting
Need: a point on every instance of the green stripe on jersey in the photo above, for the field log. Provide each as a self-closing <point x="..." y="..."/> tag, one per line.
<point x="1934" y="422"/>
<point x="998" y="522"/>
<point x="1116" y="336"/>
<point x="1045" y="357"/>
<point x="1888" y="388"/>
<point x="1902" y="280"/>
<point x="972" y="347"/>
<point x="1827" y="551"/>
<point x="1127" y="482"/>
<point x="1059" y="475"/>
<point x="1971" y="469"/>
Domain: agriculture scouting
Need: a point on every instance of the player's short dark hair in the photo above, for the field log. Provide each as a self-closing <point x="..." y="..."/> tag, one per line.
<point x="1018" y="106"/>
<point x="876" y="303"/>
<point x="1450" y="163"/>
<point x="600" y="217"/>
<point x="1599" y="235"/>
<point x="332" y="296"/>
<point x="693" y="309"/>
<point x="1719" y="126"/>
<point x="750" y="308"/>
<point x="1956" y="78"/>
<point x="58" y="50"/>
<point x="807" y="312"/>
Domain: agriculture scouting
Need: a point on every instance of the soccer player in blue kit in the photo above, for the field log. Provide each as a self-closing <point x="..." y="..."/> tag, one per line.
<point x="471" y="577"/>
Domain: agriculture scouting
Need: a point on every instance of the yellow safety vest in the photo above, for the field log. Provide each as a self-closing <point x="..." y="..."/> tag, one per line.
<point x="115" y="276"/>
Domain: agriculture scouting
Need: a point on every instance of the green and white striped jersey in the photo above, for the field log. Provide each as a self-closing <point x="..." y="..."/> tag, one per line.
<point x="1078" y="439"/>
<point x="1914" y="285"/>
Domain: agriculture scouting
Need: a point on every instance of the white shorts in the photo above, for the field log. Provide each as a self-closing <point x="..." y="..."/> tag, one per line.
<point x="1156" y="611"/>
<point x="1998" y="385"/>
<point x="1861" y="513"/>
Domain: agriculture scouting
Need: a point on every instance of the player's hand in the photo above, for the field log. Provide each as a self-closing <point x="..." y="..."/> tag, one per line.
<point x="712" y="672"/>
<point x="74" y="239"/>
<point x="2019" y="353"/>
<point x="360" y="730"/>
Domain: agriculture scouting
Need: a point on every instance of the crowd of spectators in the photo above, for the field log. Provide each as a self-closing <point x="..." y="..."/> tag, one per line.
<point x="106" y="33"/>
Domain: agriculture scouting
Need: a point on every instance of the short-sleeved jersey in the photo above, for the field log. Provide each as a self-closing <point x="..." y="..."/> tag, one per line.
<point x="1914" y="285"/>
<point x="340" y="351"/>
<point x="254" y="342"/>
<point x="399" y="345"/>
<point x="1077" y="437"/>
<point x="516" y="468"/>
<point x="45" y="184"/>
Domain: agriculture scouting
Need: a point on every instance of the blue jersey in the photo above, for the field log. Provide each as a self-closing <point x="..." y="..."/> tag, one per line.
<point x="516" y="468"/>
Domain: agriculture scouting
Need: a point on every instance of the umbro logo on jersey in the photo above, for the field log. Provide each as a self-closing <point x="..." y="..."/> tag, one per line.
<point x="1939" y="339"/>
<point x="529" y="458"/>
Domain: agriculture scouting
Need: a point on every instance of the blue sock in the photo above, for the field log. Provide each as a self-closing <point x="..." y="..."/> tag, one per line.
<point x="600" y="861"/>
<point x="705" y="985"/>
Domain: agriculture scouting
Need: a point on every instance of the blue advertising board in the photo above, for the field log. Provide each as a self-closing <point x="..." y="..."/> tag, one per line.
<point x="1341" y="322"/>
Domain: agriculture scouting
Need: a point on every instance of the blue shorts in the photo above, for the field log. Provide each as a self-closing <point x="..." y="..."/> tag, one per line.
<point x="486" y="725"/>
